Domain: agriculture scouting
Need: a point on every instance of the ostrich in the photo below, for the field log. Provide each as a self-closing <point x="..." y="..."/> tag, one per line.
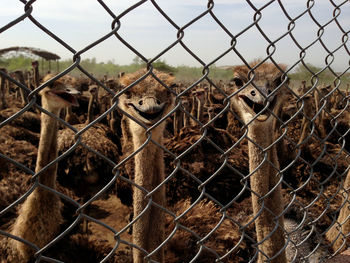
<point x="193" y="112"/>
<point x="93" y="90"/>
<point x="114" y="118"/>
<point x="71" y="117"/>
<point x="39" y="217"/>
<point x="199" y="94"/>
<point x="2" y="90"/>
<point x="341" y="229"/>
<point x="186" y="103"/>
<point x="115" y="122"/>
<point x="83" y="164"/>
<point x="255" y="107"/>
<point x="20" y="77"/>
<point x="319" y="94"/>
<point x="147" y="102"/>
<point x="308" y="113"/>
<point x="178" y="118"/>
<point x="36" y="77"/>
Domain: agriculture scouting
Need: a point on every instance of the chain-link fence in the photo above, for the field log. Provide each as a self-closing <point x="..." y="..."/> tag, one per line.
<point x="152" y="168"/>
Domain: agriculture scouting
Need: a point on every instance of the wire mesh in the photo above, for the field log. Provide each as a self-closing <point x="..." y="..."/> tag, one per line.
<point x="232" y="189"/>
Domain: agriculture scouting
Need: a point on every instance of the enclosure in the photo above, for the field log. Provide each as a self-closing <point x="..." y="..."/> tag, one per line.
<point x="224" y="139"/>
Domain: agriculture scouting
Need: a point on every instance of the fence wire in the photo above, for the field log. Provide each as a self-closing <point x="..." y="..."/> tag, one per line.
<point x="214" y="209"/>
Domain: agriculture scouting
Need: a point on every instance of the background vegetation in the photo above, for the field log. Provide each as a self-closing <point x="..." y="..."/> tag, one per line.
<point x="182" y="73"/>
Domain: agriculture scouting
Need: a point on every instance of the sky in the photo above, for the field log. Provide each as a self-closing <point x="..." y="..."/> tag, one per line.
<point x="81" y="22"/>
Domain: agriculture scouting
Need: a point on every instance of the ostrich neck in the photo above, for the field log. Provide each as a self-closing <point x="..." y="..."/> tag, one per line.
<point x="148" y="231"/>
<point x="39" y="217"/>
<point x="149" y="165"/>
<point x="90" y="108"/>
<point x="47" y="150"/>
<point x="36" y="76"/>
<point x="261" y="137"/>
<point x="262" y="181"/>
<point x="265" y="177"/>
<point x="342" y="226"/>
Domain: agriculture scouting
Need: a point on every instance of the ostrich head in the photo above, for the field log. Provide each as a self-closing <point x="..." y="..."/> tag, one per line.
<point x="59" y="94"/>
<point x="261" y="91"/>
<point x="147" y="101"/>
<point x="93" y="90"/>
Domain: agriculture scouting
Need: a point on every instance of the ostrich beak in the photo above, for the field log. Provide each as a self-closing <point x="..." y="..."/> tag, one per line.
<point x="68" y="94"/>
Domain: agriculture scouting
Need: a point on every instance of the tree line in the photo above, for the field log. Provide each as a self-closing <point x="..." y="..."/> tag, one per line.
<point x="183" y="72"/>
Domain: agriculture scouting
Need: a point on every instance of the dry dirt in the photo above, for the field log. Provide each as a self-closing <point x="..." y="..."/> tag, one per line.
<point x="316" y="184"/>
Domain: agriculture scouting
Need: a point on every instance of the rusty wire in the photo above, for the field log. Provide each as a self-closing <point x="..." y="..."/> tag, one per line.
<point x="308" y="219"/>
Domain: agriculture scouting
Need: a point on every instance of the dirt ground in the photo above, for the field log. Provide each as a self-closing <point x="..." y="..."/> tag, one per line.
<point x="311" y="181"/>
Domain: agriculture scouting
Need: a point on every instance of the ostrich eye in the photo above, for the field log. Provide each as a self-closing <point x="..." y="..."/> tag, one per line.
<point x="168" y="93"/>
<point x="173" y="86"/>
<point x="127" y="93"/>
<point x="54" y="85"/>
<point x="238" y="82"/>
<point x="278" y="80"/>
